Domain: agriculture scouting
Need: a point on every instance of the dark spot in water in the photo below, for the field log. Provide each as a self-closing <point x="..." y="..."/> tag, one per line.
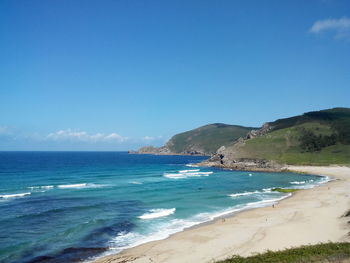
<point x="96" y="241"/>
<point x="104" y="234"/>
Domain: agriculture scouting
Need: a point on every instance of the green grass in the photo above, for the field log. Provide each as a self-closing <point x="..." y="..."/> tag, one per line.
<point x="283" y="146"/>
<point x="282" y="190"/>
<point x="329" y="252"/>
<point x="207" y="139"/>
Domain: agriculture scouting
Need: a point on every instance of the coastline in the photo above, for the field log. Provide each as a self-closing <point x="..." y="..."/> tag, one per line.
<point x="169" y="153"/>
<point x="256" y="230"/>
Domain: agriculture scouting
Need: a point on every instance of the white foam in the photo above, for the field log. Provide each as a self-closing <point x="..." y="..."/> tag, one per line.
<point x="198" y="174"/>
<point x="325" y="179"/>
<point x="192" y="165"/>
<point x="296" y="182"/>
<point x="155" y="213"/>
<point x="244" y="194"/>
<point x="189" y="171"/>
<point x="174" y="176"/>
<point x="267" y="190"/>
<point x="264" y="191"/>
<point x="135" y="182"/>
<point x="126" y="240"/>
<point x="79" y="186"/>
<point x="169" y="227"/>
<point x="64" y="186"/>
<point x="14" y="195"/>
<point x="311" y="183"/>
<point x="47" y="187"/>
<point x="182" y="175"/>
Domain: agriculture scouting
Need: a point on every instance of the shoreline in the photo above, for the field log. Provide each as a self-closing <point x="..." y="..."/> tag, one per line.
<point x="246" y="232"/>
<point x="168" y="153"/>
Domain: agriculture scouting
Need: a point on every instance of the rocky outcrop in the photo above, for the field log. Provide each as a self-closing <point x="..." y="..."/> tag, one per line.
<point x="164" y="150"/>
<point x="152" y="150"/>
<point x="219" y="160"/>
<point x="256" y="133"/>
<point x="230" y="157"/>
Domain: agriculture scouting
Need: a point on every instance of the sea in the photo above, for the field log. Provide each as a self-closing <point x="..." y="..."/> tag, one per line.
<point x="77" y="206"/>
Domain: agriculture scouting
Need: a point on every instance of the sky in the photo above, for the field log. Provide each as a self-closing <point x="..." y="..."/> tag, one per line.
<point x="121" y="74"/>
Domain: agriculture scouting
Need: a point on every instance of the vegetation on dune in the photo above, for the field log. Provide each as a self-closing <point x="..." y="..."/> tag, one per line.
<point x="329" y="252"/>
<point x="283" y="190"/>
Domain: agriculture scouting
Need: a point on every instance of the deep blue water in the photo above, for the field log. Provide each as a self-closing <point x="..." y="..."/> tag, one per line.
<point x="69" y="206"/>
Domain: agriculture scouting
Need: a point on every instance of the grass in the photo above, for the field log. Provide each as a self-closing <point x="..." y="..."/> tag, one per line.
<point x="283" y="146"/>
<point x="328" y="252"/>
<point x="207" y="138"/>
<point x="282" y="190"/>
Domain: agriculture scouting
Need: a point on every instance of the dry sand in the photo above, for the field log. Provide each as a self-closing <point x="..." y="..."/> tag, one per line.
<point x="308" y="217"/>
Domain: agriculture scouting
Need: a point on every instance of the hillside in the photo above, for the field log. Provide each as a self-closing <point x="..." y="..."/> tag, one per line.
<point x="204" y="140"/>
<point x="320" y="137"/>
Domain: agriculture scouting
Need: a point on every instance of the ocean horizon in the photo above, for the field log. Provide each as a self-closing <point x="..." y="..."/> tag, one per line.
<point x="74" y="206"/>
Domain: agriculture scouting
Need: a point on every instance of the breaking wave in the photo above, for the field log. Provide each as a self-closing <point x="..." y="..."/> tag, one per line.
<point x="126" y="240"/>
<point x="296" y="182"/>
<point x="45" y="187"/>
<point x="155" y="213"/>
<point x="136" y="182"/>
<point x="82" y="185"/>
<point x="14" y="195"/>
<point x="189" y="171"/>
<point x="244" y="194"/>
<point x="186" y="173"/>
<point x="192" y="165"/>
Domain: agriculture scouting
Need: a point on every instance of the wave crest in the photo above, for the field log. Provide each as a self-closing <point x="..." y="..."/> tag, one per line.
<point x="186" y="173"/>
<point x="244" y="194"/>
<point x="41" y="187"/>
<point x="155" y="213"/>
<point x="189" y="171"/>
<point x="82" y="185"/>
<point x="192" y="165"/>
<point x="64" y="186"/>
<point x="296" y="182"/>
<point x="14" y="195"/>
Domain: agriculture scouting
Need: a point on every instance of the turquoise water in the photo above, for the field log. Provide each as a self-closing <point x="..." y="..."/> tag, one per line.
<point x="71" y="206"/>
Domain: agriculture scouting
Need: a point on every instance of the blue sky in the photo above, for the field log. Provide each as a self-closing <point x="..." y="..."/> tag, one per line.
<point x="115" y="75"/>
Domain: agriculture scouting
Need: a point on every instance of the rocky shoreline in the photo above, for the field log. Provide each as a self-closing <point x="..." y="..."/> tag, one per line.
<point x="169" y="153"/>
<point x="245" y="165"/>
<point x="164" y="150"/>
<point x="216" y="160"/>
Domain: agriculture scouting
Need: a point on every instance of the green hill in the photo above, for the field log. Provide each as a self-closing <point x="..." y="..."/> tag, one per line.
<point x="320" y="137"/>
<point x="206" y="139"/>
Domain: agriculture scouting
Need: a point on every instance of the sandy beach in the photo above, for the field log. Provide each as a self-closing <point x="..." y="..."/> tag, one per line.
<point x="308" y="217"/>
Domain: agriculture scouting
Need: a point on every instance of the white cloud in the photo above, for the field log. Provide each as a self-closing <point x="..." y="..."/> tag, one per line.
<point x="149" y="138"/>
<point x="341" y="27"/>
<point x="83" y="136"/>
